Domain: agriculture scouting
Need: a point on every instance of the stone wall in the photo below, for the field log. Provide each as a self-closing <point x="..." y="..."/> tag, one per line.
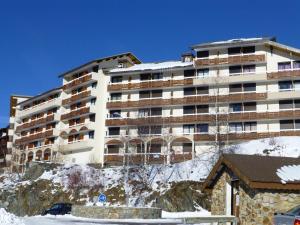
<point x="116" y="212"/>
<point x="255" y="206"/>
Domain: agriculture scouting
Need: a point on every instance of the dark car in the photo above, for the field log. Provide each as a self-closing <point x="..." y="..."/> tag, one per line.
<point x="59" y="209"/>
<point x="291" y="217"/>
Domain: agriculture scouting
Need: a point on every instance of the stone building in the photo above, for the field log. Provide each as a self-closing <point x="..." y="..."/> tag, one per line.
<point x="248" y="187"/>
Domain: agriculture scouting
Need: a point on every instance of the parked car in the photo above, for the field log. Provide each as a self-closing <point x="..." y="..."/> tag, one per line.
<point x="59" y="209"/>
<point x="291" y="217"/>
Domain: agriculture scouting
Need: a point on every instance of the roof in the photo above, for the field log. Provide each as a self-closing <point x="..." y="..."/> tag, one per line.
<point x="152" y="66"/>
<point x="129" y="54"/>
<point x="256" y="171"/>
<point x="237" y="41"/>
<point x="39" y="95"/>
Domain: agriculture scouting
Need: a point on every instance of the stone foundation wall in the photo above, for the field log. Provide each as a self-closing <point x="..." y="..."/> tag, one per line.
<point x="116" y="212"/>
<point x="255" y="206"/>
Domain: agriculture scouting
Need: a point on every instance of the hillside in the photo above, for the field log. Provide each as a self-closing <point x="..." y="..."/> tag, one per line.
<point x="172" y="187"/>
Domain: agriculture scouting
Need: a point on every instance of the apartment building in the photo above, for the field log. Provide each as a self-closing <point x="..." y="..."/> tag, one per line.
<point x="117" y="109"/>
<point x="227" y="92"/>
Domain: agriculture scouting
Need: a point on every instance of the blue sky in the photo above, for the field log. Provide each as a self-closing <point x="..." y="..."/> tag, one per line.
<point x="41" y="39"/>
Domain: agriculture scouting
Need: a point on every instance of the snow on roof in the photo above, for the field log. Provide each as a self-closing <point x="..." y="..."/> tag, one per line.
<point x="153" y="66"/>
<point x="289" y="173"/>
<point x="236" y="40"/>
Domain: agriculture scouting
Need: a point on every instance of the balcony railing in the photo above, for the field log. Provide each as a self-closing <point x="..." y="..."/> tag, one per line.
<point x="77" y="97"/>
<point x="35" y="123"/>
<point x="78" y="112"/>
<point x="78" y="81"/>
<point x="37" y="136"/>
<point x="284" y="74"/>
<point x="150" y="84"/>
<point x="194" y="99"/>
<point x="240" y="59"/>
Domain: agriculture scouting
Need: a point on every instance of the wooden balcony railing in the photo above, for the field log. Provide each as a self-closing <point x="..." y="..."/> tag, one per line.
<point x="188" y="100"/>
<point x="231" y="60"/>
<point x="30" y="138"/>
<point x="150" y="84"/>
<point x="78" y="112"/>
<point x="77" y="82"/>
<point x="76" y="97"/>
<point x="284" y="74"/>
<point x="35" y="122"/>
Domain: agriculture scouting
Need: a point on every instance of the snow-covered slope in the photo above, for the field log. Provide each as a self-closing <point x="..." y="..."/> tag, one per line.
<point x="9" y="219"/>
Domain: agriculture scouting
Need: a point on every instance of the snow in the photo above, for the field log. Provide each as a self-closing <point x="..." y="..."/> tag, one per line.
<point x="289" y="173"/>
<point x="9" y="219"/>
<point x="185" y="214"/>
<point x="236" y="40"/>
<point x="153" y="66"/>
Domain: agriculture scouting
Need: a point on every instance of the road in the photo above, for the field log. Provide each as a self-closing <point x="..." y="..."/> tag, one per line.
<point x="39" y="220"/>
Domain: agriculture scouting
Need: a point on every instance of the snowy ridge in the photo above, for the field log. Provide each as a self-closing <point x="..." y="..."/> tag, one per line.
<point x="153" y="66"/>
<point x="289" y="173"/>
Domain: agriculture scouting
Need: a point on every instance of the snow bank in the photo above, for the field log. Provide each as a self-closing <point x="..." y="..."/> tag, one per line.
<point x="289" y="173"/>
<point x="153" y="66"/>
<point x="9" y="219"/>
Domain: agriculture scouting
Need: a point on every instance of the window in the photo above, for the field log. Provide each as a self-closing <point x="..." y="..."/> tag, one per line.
<point x="94" y="85"/>
<point x="249" y="68"/>
<point x="189" y="73"/>
<point x="155" y="129"/>
<point x="93" y="101"/>
<point x="144" y="94"/>
<point x="284" y="66"/>
<point x="297" y="84"/>
<point x="296" y="64"/>
<point x="189" y="91"/>
<point x="117" y="79"/>
<point x="144" y="112"/>
<point x="235" y="69"/>
<point x="187" y="147"/>
<point x="92" y="118"/>
<point x="156" y="94"/>
<point x="234" y="51"/>
<point x="190" y="109"/>
<point x="297" y="124"/>
<point x="286" y="104"/>
<point x="249" y="87"/>
<point x="202" y="90"/>
<point x="250" y="126"/>
<point x="297" y="104"/>
<point x="235" y="88"/>
<point x="202" y="109"/>
<point x="202" y="72"/>
<point x="202" y="54"/>
<point x="285" y="85"/>
<point x="202" y="128"/>
<point x="249" y="106"/>
<point x="157" y="76"/>
<point x="156" y="111"/>
<point x="91" y="135"/>
<point x="113" y="149"/>
<point x="143" y="130"/>
<point x="145" y="76"/>
<point x="115" y="113"/>
<point x="248" y="49"/>
<point x="155" y="148"/>
<point x="286" y="124"/>
<point x="235" y="127"/>
<point x="114" y="131"/>
<point x="188" y="128"/>
<point x="235" y="107"/>
<point x="116" y="96"/>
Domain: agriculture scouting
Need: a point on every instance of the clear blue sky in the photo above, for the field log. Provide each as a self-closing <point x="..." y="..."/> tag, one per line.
<point x="40" y="39"/>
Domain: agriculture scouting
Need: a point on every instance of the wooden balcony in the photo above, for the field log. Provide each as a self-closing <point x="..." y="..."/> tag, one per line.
<point x="30" y="138"/>
<point x="35" y="123"/>
<point x="284" y="74"/>
<point x="78" y="112"/>
<point x="240" y="59"/>
<point x="77" y="82"/>
<point x="118" y="159"/>
<point x="150" y="84"/>
<point x="77" y="97"/>
<point x="188" y="100"/>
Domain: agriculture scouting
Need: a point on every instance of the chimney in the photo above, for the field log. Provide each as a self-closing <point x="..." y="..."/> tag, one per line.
<point x="187" y="57"/>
